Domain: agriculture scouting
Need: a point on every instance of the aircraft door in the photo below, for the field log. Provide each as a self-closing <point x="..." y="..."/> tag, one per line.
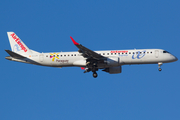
<point x="156" y="53"/>
<point x="41" y="57"/>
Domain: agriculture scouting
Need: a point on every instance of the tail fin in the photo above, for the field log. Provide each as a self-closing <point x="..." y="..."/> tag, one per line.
<point x="17" y="44"/>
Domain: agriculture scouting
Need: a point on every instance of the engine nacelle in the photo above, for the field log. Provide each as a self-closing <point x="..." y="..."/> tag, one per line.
<point x="113" y="70"/>
<point x="113" y="61"/>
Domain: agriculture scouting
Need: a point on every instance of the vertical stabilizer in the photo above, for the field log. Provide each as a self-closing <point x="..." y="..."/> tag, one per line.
<point x="17" y="44"/>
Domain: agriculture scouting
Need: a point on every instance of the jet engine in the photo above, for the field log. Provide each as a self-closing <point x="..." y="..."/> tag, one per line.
<point x="113" y="61"/>
<point x="113" y="70"/>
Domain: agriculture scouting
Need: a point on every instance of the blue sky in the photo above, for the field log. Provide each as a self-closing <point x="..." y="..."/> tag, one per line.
<point x="140" y="92"/>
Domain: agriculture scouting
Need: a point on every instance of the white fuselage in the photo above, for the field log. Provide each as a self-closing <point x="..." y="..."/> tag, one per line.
<point x="120" y="57"/>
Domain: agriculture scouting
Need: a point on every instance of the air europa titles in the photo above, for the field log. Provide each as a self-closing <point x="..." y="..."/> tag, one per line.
<point x="17" y="40"/>
<point x="118" y="51"/>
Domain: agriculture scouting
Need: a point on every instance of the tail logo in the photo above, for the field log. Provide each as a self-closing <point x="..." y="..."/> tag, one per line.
<point x="18" y="41"/>
<point x="16" y="48"/>
<point x="54" y="56"/>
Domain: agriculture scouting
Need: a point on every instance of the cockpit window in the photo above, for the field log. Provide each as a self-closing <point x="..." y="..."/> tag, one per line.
<point x="165" y="52"/>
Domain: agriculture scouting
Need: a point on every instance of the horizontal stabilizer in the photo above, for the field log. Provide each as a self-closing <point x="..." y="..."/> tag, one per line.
<point x="13" y="54"/>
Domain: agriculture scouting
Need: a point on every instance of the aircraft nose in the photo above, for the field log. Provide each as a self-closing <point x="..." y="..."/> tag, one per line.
<point x="175" y="58"/>
<point x="172" y="58"/>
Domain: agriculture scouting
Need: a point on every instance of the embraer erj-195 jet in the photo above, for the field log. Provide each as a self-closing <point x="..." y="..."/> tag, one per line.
<point x="109" y="61"/>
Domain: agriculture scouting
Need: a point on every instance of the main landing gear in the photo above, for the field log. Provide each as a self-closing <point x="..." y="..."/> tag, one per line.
<point x="95" y="74"/>
<point x="159" y="66"/>
<point x="92" y="67"/>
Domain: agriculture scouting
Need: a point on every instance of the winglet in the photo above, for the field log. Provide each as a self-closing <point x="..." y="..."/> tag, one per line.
<point x="82" y="68"/>
<point x="75" y="43"/>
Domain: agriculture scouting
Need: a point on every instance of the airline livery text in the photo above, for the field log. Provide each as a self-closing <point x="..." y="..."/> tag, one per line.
<point x="17" y="40"/>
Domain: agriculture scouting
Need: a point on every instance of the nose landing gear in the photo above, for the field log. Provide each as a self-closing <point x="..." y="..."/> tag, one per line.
<point x="159" y="66"/>
<point x="160" y="69"/>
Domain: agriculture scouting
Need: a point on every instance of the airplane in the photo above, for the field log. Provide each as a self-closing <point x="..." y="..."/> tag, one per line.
<point x="110" y="61"/>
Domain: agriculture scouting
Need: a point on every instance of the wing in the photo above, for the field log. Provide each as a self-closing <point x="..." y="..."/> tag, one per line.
<point x="87" y="52"/>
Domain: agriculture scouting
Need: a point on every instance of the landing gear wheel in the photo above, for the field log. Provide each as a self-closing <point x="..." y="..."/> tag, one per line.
<point x="95" y="75"/>
<point x="159" y="66"/>
<point x="160" y="69"/>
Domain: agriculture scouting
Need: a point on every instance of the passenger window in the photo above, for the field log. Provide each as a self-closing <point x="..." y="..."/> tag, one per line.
<point x="107" y="53"/>
<point x="129" y="52"/>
